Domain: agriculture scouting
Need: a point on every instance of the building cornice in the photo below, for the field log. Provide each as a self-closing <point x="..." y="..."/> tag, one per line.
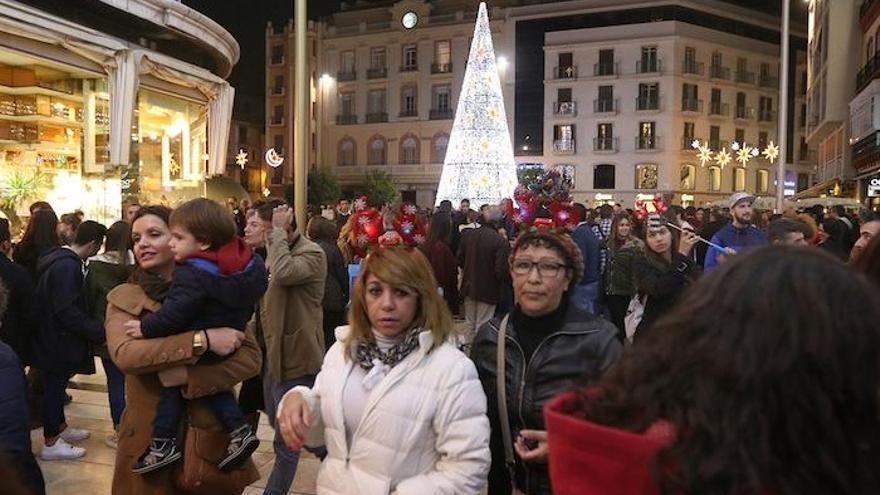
<point x="174" y="15"/>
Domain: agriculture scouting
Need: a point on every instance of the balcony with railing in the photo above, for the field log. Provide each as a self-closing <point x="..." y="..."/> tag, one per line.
<point x="692" y="105"/>
<point x="570" y="72"/>
<point x="647" y="103"/>
<point x="719" y="72"/>
<point x="606" y="69"/>
<point x="276" y="120"/>
<point x="276" y="60"/>
<point x="647" y="143"/>
<point x="743" y="113"/>
<point x="692" y="67"/>
<point x="605" y="145"/>
<point x="440" y="114"/>
<point x="411" y="112"/>
<point x="766" y="115"/>
<point x="409" y="68"/>
<point x="377" y="73"/>
<point x="745" y="77"/>
<point x="717" y="144"/>
<point x="605" y="105"/>
<point x="444" y="68"/>
<point x="768" y="81"/>
<point x="346" y="75"/>
<point x="346" y="119"/>
<point x="866" y="150"/>
<point x="868" y="73"/>
<point x="649" y="66"/>
<point x="376" y="117"/>
<point x="565" y="108"/>
<point x="564" y="147"/>
<point x="276" y="91"/>
<point x="718" y="109"/>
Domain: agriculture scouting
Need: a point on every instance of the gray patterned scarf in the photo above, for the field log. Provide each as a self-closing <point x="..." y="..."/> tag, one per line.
<point x="367" y="351"/>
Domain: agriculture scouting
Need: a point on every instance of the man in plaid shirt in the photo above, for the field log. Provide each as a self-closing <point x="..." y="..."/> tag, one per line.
<point x="603" y="230"/>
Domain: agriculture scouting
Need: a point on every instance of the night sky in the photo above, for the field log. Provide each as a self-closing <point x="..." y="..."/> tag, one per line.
<point x="246" y="21"/>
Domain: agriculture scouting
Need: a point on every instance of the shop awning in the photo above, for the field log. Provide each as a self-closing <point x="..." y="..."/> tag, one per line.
<point x="815" y="191"/>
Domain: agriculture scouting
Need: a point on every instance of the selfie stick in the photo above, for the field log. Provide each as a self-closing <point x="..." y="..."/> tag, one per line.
<point x="712" y="244"/>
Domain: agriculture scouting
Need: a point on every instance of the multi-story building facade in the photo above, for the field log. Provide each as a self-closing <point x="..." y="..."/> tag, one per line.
<point x="247" y="141"/>
<point x="834" y="51"/>
<point x="385" y="80"/>
<point x="865" y="108"/>
<point x="622" y="107"/>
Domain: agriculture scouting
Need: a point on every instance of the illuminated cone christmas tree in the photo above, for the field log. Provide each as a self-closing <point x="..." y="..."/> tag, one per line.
<point x="479" y="161"/>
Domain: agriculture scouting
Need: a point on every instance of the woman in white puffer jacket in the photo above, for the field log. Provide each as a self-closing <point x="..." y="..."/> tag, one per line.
<point x="398" y="406"/>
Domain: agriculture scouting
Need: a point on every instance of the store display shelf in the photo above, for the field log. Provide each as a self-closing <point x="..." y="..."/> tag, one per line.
<point x="38" y="90"/>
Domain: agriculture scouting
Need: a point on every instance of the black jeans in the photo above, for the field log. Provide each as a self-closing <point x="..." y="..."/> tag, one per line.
<point x="54" y="396"/>
<point x="170" y="409"/>
<point x="332" y="319"/>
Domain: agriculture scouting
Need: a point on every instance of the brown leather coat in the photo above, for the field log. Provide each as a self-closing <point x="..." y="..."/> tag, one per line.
<point x="140" y="359"/>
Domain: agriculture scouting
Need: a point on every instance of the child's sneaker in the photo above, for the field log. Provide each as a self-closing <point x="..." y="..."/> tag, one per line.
<point x="243" y="442"/>
<point x="61" y="450"/>
<point x="162" y="452"/>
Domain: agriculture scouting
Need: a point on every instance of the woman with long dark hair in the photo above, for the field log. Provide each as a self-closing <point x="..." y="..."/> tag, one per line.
<point x="664" y="271"/>
<point x="622" y="247"/>
<point x="439" y="253"/>
<point x="39" y="237"/>
<point x="833" y="238"/>
<point x="765" y="382"/>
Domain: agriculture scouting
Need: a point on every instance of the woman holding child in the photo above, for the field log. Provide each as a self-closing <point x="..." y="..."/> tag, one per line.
<point x="152" y="364"/>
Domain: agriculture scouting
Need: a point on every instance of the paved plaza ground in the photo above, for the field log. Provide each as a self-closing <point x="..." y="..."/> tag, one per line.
<point x="93" y="473"/>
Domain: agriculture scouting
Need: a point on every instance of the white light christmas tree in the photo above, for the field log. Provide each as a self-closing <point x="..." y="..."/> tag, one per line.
<point x="479" y="162"/>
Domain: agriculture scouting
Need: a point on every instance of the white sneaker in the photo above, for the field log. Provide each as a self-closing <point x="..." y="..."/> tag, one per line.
<point x="61" y="451"/>
<point x="112" y="440"/>
<point x="75" y="434"/>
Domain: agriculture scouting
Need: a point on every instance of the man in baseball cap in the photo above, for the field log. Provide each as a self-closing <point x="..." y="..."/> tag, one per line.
<point x="739" y="234"/>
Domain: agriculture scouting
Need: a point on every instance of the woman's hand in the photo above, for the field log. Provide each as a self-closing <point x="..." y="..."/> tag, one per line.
<point x="294" y="420"/>
<point x="536" y="454"/>
<point x="174" y="377"/>
<point x="687" y="242"/>
<point x="224" y="341"/>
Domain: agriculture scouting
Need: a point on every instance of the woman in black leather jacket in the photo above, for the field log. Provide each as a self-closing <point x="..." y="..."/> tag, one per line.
<point x="551" y="346"/>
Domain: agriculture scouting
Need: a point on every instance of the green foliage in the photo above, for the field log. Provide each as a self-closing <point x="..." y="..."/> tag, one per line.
<point x="323" y="188"/>
<point x="19" y="188"/>
<point x="380" y="188"/>
<point x="527" y="175"/>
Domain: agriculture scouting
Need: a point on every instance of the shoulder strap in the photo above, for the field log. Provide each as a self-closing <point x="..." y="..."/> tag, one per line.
<point x="501" y="391"/>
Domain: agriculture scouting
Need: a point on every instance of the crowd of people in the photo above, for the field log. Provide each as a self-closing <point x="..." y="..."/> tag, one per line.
<point x="655" y="349"/>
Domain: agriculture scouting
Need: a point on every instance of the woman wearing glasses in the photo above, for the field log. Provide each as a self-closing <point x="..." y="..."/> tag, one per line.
<point x="548" y="346"/>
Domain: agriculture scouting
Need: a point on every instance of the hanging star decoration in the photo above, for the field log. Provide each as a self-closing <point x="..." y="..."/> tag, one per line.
<point x="744" y="155"/>
<point x="771" y="152"/>
<point x="241" y="158"/>
<point x="267" y="192"/>
<point x="722" y="157"/>
<point x="704" y="153"/>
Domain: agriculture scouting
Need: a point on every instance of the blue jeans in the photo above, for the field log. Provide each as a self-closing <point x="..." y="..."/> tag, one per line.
<point x="586" y="296"/>
<point x="115" y="390"/>
<point x="170" y="409"/>
<point x="54" y="396"/>
<point x="286" y="460"/>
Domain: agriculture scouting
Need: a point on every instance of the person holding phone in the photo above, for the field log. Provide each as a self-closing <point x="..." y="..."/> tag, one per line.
<point x="545" y="346"/>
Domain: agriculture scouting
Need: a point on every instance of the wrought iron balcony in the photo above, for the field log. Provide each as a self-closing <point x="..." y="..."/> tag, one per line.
<point x="606" y="69"/>
<point x="868" y="72"/>
<point x="716" y="108"/>
<point x="441" y="68"/>
<point x="692" y="105"/>
<point x="605" y="105"/>
<point x="375" y="117"/>
<point x="569" y="72"/>
<point x="744" y="113"/>
<point x="692" y="67"/>
<point x="647" y="143"/>
<point x="409" y="68"/>
<point x="440" y="113"/>
<point x="346" y="119"/>
<point x="346" y="75"/>
<point x="745" y="77"/>
<point x="564" y="146"/>
<point x="649" y="66"/>
<point x="377" y="73"/>
<point x="719" y="72"/>
<point x="409" y="113"/>
<point x="276" y="120"/>
<point x="766" y="115"/>
<point x="605" y="144"/>
<point x="565" y="108"/>
<point x="768" y="81"/>
<point x="647" y="103"/>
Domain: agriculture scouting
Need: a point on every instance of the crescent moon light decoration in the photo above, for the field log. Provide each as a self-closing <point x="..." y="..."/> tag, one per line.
<point x="273" y="158"/>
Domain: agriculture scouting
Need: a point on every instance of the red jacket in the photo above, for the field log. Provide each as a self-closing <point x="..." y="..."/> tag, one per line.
<point x="591" y="459"/>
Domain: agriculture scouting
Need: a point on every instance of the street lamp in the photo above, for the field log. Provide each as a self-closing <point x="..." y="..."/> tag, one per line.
<point x="783" y="109"/>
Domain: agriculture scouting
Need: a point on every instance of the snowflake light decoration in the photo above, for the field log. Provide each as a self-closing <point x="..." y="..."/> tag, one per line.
<point x="744" y="155"/>
<point x="722" y="157"/>
<point x="267" y="192"/>
<point x="410" y="209"/>
<point x="360" y="204"/>
<point x="479" y="163"/>
<point x="771" y="152"/>
<point x="241" y="158"/>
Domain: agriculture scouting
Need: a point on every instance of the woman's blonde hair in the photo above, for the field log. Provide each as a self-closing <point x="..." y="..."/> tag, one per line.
<point x="405" y="268"/>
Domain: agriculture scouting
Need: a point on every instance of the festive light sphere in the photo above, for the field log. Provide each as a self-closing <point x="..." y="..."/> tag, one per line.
<point x="479" y="163"/>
